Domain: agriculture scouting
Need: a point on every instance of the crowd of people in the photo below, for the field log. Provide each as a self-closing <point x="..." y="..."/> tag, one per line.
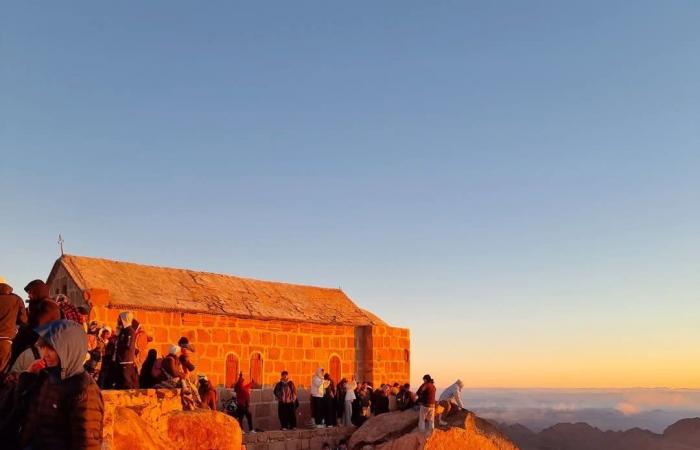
<point x="54" y="363"/>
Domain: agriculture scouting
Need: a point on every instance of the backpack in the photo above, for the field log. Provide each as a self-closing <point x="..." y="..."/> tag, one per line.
<point x="157" y="370"/>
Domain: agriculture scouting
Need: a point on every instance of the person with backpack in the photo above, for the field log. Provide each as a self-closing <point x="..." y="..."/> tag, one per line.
<point x="286" y="394"/>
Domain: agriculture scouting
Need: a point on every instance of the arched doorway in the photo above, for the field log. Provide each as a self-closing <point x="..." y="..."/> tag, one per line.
<point x="232" y="369"/>
<point x="334" y="368"/>
<point x="256" y="370"/>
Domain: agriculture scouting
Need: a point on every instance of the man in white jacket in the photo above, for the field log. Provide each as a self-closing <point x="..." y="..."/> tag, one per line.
<point x="318" y="388"/>
<point x="451" y="400"/>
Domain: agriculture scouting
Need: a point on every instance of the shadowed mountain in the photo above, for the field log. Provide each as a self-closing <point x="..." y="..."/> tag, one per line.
<point x="682" y="435"/>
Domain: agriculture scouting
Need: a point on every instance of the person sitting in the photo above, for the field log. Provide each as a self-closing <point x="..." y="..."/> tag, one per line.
<point x="207" y="393"/>
<point x="451" y="401"/>
<point x="150" y="373"/>
<point x="405" y="398"/>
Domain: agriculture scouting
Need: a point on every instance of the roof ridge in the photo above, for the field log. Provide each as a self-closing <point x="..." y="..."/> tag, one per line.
<point x="204" y="272"/>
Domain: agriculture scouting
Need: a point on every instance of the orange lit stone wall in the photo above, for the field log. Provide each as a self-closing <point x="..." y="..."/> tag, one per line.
<point x="384" y="354"/>
<point x="299" y="348"/>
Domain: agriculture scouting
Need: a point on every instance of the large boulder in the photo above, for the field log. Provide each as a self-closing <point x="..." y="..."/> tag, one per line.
<point x="204" y="429"/>
<point x="384" y="427"/>
<point x="397" y="431"/>
<point x="176" y="430"/>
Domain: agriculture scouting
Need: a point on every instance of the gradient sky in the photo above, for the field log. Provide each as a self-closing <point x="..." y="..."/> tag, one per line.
<point x="517" y="182"/>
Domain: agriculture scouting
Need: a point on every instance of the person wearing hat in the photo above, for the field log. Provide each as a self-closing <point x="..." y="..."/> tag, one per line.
<point x="171" y="366"/>
<point x="65" y="406"/>
<point x="451" y="401"/>
<point x="186" y="350"/>
<point x="426" y="400"/>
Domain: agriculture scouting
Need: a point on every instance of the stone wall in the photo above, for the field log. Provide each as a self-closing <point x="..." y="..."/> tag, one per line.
<point x="152" y="404"/>
<point x="385" y="355"/>
<point x="297" y="439"/>
<point x="299" y="348"/>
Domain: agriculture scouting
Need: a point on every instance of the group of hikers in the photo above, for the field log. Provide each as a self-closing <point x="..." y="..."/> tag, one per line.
<point x="54" y="362"/>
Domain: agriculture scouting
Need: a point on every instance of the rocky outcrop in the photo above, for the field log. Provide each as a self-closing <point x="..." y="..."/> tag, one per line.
<point x="176" y="430"/>
<point x="397" y="431"/>
<point x="682" y="435"/>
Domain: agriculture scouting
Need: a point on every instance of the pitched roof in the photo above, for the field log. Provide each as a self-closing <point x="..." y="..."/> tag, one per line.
<point x="167" y="289"/>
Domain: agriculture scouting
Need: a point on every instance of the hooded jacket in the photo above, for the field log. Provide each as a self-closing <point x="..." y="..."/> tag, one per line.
<point x="125" y="352"/>
<point x="66" y="407"/>
<point x="12" y="312"/>
<point x="453" y="394"/>
<point x="318" y="384"/>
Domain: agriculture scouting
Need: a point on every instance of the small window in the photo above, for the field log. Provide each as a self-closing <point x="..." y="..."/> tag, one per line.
<point x="407" y="355"/>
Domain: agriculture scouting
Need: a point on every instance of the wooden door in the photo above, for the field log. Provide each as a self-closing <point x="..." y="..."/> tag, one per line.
<point x="231" y="369"/>
<point x="334" y="369"/>
<point x="256" y="370"/>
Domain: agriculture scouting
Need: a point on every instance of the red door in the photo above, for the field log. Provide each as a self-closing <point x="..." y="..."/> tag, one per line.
<point x="256" y="370"/>
<point x="231" y="370"/>
<point x="334" y="369"/>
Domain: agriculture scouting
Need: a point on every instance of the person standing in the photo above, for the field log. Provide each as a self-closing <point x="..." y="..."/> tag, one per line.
<point x="12" y="315"/>
<point x="350" y="397"/>
<point x="426" y="400"/>
<point x="65" y="405"/>
<point x="318" y="389"/>
<point x="126" y="376"/>
<point x="242" y="390"/>
<point x="286" y="394"/>
<point x="329" y="393"/>
<point x="37" y="291"/>
<point x="451" y="401"/>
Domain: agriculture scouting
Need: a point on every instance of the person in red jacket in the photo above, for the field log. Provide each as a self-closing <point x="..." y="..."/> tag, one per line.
<point x="242" y="390"/>
<point x="426" y="400"/>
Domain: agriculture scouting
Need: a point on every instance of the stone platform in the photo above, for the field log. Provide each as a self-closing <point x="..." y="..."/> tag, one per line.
<point x="301" y="439"/>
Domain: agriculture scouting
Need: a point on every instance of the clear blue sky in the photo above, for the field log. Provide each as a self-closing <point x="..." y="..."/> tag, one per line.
<point x="517" y="182"/>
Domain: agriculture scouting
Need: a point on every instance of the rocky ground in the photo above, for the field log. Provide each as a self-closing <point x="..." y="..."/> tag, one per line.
<point x="398" y="431"/>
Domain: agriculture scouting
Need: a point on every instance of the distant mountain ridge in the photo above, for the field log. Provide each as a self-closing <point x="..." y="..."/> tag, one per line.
<point x="682" y="435"/>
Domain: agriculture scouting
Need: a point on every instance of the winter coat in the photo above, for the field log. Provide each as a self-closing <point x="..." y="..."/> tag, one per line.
<point x="171" y="367"/>
<point x="453" y="394"/>
<point x="318" y="384"/>
<point x="65" y="406"/>
<point x="426" y="394"/>
<point x="125" y="351"/>
<point x="12" y="312"/>
<point x="242" y="392"/>
<point x="208" y="395"/>
<point x="285" y="392"/>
